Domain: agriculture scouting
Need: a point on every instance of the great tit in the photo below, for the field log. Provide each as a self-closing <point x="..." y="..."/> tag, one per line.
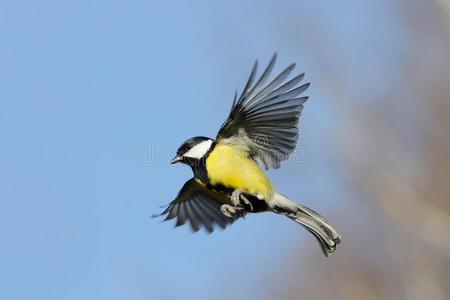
<point x="228" y="183"/>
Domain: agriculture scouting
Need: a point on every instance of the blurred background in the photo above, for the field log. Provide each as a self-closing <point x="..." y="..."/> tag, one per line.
<point x="95" y="97"/>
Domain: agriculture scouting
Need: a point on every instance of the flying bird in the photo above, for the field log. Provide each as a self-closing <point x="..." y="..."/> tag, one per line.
<point x="261" y="131"/>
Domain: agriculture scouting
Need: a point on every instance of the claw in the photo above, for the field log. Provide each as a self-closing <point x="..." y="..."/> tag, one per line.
<point x="237" y="198"/>
<point x="232" y="211"/>
<point x="228" y="210"/>
<point x="247" y="202"/>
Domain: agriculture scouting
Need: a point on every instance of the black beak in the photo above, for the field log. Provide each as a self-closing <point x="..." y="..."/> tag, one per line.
<point x="176" y="159"/>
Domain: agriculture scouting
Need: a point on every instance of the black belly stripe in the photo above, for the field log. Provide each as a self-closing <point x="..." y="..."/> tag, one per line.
<point x="220" y="188"/>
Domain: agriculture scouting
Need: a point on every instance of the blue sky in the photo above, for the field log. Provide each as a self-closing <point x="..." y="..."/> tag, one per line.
<point x="89" y="89"/>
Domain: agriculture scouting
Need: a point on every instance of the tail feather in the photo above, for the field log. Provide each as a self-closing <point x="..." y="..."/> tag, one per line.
<point x="316" y="224"/>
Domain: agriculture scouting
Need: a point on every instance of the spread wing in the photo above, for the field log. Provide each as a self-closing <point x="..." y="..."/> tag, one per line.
<point x="199" y="205"/>
<point x="264" y="119"/>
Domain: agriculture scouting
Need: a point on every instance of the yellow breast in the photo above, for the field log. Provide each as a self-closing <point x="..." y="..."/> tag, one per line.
<point x="230" y="166"/>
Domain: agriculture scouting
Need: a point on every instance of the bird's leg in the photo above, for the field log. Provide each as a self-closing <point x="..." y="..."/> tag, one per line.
<point x="238" y="195"/>
<point x="239" y="203"/>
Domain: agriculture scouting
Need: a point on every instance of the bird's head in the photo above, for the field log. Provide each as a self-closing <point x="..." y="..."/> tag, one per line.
<point x="193" y="150"/>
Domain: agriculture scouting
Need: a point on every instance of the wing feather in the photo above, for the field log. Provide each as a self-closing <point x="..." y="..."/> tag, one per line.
<point x="199" y="206"/>
<point x="271" y="86"/>
<point x="265" y="117"/>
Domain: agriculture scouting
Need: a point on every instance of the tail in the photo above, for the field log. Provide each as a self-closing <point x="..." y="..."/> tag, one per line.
<point x="316" y="224"/>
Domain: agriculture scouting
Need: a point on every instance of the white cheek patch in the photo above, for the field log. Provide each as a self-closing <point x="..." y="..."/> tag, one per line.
<point x="199" y="150"/>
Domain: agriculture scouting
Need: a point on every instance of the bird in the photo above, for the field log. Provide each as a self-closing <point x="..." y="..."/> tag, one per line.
<point x="228" y="181"/>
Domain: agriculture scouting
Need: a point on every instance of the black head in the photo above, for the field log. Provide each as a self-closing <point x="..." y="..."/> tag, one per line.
<point x="193" y="150"/>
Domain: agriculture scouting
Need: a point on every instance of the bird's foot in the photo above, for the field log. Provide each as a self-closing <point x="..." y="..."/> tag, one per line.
<point x="231" y="211"/>
<point x="238" y="197"/>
